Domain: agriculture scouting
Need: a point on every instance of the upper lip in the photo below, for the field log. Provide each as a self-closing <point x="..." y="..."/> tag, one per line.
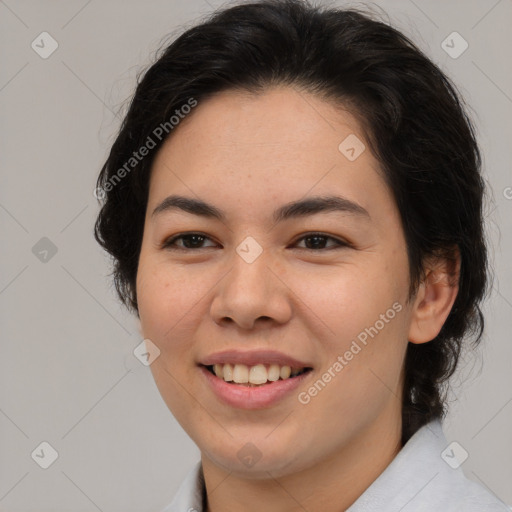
<point x="253" y="357"/>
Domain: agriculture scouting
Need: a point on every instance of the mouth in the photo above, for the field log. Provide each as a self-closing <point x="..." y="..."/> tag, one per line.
<point x="258" y="375"/>
<point x="260" y="386"/>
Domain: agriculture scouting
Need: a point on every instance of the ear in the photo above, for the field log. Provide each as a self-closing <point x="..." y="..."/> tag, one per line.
<point x="435" y="296"/>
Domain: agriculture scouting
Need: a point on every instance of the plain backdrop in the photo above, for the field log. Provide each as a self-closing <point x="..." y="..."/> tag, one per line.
<point x="68" y="376"/>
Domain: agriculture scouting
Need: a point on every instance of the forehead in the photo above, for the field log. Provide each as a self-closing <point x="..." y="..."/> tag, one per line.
<point x="239" y="147"/>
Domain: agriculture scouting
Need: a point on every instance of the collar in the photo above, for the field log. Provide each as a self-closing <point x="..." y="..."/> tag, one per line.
<point x="423" y="477"/>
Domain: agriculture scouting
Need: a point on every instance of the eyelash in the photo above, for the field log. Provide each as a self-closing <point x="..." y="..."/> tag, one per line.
<point x="168" y="244"/>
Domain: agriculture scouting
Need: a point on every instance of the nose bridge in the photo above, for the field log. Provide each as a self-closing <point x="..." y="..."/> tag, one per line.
<point x="251" y="269"/>
<point x="250" y="290"/>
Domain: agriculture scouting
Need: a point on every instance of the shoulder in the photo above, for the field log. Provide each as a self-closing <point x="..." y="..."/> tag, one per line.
<point x="470" y="496"/>
<point x="423" y="477"/>
<point x="465" y="495"/>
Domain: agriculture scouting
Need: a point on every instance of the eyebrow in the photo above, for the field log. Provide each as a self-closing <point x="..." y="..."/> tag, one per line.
<point x="300" y="208"/>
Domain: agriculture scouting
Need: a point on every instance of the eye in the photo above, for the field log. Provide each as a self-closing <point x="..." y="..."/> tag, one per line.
<point x="189" y="241"/>
<point x="318" y="241"/>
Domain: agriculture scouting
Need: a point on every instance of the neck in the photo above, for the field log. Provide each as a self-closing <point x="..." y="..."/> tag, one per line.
<point x="330" y="485"/>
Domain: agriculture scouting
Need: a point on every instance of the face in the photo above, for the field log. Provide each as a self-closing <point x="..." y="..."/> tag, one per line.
<point x="252" y="280"/>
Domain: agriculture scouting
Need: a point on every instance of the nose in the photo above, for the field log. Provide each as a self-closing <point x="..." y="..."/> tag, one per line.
<point x="251" y="293"/>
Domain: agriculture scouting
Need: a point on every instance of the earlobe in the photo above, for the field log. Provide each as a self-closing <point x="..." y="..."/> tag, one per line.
<point x="435" y="297"/>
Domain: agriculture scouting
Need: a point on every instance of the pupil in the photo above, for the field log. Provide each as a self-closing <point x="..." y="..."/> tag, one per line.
<point x="316" y="238"/>
<point x="188" y="238"/>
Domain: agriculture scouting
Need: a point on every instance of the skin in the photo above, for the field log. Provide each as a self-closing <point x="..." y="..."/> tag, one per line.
<point x="248" y="155"/>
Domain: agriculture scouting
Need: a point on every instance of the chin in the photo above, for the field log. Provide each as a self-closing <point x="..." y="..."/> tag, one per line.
<point x="258" y="460"/>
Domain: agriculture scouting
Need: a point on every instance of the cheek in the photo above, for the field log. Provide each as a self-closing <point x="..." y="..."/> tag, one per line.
<point x="173" y="302"/>
<point x="168" y="306"/>
<point x="361" y="312"/>
<point x="164" y="298"/>
<point x="350" y="298"/>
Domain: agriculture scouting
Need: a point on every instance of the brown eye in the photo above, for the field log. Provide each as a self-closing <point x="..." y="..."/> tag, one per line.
<point x="313" y="242"/>
<point x="188" y="241"/>
<point x="317" y="241"/>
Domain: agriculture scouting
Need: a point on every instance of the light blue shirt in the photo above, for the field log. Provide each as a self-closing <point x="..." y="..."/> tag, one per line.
<point x="418" y="479"/>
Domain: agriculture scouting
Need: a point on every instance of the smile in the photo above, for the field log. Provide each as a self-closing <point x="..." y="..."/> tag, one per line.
<point x="248" y="395"/>
<point x="256" y="375"/>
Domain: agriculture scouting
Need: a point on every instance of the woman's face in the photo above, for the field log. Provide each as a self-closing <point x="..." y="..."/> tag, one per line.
<point x="256" y="287"/>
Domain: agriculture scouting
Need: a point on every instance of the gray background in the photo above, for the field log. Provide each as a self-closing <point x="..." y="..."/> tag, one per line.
<point x="67" y="372"/>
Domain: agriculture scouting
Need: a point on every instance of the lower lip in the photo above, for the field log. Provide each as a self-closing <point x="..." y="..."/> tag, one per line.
<point x="258" y="397"/>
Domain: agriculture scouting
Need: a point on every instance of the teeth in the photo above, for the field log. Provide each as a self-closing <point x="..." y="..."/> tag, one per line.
<point x="254" y="375"/>
<point x="258" y="374"/>
<point x="274" y="372"/>
<point x="227" y="372"/>
<point x="240" y="374"/>
<point x="285" y="372"/>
